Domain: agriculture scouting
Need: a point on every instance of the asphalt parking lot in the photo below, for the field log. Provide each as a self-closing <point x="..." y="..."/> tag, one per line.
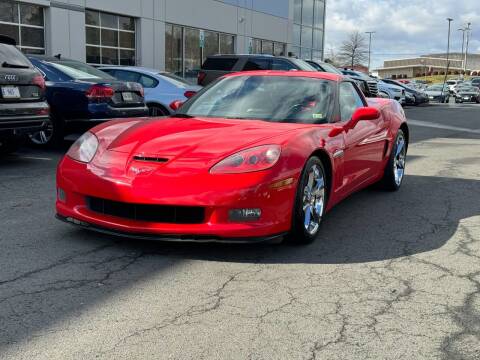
<point x="393" y="275"/>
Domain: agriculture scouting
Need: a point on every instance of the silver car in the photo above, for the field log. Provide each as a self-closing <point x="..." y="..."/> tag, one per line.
<point x="439" y="93"/>
<point x="161" y="88"/>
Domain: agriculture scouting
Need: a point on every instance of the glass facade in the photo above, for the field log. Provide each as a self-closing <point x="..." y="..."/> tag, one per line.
<point x="25" y="23"/>
<point x="110" y="39"/>
<point x="308" y="28"/>
<point x="187" y="48"/>
<point x="268" y="47"/>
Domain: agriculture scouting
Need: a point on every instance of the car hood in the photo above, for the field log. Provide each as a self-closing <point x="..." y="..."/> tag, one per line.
<point x="467" y="93"/>
<point x="195" y="138"/>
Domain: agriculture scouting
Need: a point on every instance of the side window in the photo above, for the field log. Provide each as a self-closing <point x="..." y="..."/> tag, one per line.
<point x="148" y="82"/>
<point x="256" y="64"/>
<point x="278" y="64"/>
<point x="350" y="101"/>
<point x="127" y="75"/>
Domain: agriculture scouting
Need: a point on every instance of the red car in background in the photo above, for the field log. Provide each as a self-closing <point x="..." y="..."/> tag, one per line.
<point x="254" y="156"/>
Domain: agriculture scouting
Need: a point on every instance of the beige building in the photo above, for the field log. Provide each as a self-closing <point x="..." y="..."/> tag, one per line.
<point x="419" y="66"/>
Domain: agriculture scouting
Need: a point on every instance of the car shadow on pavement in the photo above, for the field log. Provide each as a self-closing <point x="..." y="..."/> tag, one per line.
<point x="372" y="225"/>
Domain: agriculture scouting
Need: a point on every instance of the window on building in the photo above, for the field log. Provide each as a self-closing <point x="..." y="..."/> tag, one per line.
<point x="184" y="53"/>
<point x="308" y="27"/>
<point x="25" y="23"/>
<point x="267" y="47"/>
<point x="174" y="49"/>
<point x="110" y="39"/>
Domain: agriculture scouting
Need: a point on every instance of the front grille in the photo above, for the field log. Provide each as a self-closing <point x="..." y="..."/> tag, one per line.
<point x="150" y="213"/>
<point x="372" y="88"/>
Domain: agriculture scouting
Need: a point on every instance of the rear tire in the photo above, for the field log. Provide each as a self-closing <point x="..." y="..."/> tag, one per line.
<point x="155" y="110"/>
<point x="52" y="135"/>
<point x="395" y="169"/>
<point x="9" y="145"/>
<point x="310" y="203"/>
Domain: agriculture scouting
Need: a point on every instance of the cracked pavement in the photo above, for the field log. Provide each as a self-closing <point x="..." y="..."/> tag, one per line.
<point x="392" y="276"/>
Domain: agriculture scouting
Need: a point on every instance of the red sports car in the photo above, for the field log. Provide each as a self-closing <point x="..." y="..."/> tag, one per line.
<point x="254" y="156"/>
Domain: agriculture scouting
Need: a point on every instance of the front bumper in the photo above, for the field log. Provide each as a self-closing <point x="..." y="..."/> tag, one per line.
<point x="218" y="195"/>
<point x="167" y="238"/>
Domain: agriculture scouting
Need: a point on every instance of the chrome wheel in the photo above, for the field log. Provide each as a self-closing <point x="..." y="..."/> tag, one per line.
<point x="43" y="136"/>
<point x="313" y="200"/>
<point x="399" y="160"/>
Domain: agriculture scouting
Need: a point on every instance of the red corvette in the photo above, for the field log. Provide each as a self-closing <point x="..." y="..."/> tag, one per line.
<point x="255" y="156"/>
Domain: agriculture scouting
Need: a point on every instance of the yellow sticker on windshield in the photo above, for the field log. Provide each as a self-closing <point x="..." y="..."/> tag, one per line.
<point x="318" y="116"/>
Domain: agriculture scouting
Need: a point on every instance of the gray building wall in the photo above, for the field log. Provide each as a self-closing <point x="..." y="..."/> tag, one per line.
<point x="263" y="19"/>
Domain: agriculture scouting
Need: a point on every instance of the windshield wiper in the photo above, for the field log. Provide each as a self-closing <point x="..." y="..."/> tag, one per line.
<point x="14" y="66"/>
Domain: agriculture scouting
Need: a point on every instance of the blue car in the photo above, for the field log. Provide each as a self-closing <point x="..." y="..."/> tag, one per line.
<point x="161" y="88"/>
<point x="81" y="96"/>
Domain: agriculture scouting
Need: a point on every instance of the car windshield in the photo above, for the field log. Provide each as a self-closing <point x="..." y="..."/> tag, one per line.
<point x="435" y="88"/>
<point x="10" y="55"/>
<point x="331" y="69"/>
<point x="269" y="98"/>
<point x="468" y="88"/>
<point x="79" y="71"/>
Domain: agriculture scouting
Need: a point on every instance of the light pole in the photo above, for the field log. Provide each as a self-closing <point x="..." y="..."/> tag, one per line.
<point x="370" y="33"/>
<point x="467" y="29"/>
<point x="448" y="50"/>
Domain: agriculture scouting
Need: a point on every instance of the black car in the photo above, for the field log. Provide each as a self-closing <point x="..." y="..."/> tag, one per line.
<point x="218" y="65"/>
<point x="23" y="108"/>
<point x="368" y="84"/>
<point x="81" y="96"/>
<point x="412" y="96"/>
<point x="467" y="93"/>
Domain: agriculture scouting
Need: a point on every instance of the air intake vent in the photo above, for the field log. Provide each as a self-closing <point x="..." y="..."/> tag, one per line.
<point x="150" y="159"/>
<point x="147" y="212"/>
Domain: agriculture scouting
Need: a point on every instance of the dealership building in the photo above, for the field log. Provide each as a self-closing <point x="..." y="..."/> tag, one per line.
<point x="172" y="35"/>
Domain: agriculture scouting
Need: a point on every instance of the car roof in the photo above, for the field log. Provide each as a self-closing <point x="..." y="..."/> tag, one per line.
<point x="309" y="74"/>
<point x="48" y="57"/>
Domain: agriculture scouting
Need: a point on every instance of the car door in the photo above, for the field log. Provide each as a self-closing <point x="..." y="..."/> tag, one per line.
<point x="364" y="144"/>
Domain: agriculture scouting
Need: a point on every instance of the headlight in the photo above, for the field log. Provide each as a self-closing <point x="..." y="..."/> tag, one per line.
<point x="250" y="160"/>
<point x="84" y="148"/>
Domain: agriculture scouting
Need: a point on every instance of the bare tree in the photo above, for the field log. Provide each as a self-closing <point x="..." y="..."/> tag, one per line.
<point x="354" y="50"/>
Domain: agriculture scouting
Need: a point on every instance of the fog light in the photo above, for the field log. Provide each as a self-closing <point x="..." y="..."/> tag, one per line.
<point x="61" y="195"/>
<point x="244" y="214"/>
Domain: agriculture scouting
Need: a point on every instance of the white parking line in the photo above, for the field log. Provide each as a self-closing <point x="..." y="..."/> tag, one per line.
<point x="440" y="126"/>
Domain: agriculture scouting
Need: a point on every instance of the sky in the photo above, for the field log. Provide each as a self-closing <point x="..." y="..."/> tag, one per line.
<point x="404" y="28"/>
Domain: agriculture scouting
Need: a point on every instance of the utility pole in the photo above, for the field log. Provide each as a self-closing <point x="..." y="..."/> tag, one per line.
<point x="370" y="33"/>
<point x="448" y="50"/>
<point x="467" y="29"/>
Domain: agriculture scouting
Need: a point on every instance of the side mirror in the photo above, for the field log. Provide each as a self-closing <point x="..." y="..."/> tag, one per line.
<point x="364" y="113"/>
<point x="175" y="105"/>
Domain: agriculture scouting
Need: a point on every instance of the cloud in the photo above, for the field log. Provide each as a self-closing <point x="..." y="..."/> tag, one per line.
<point x="403" y="28"/>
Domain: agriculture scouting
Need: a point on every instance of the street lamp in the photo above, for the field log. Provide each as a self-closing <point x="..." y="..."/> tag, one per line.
<point x="370" y="33"/>
<point x="448" y="50"/>
<point x="467" y="29"/>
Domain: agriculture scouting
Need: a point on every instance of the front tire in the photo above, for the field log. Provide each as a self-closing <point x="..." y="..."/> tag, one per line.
<point x="395" y="170"/>
<point x="310" y="203"/>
